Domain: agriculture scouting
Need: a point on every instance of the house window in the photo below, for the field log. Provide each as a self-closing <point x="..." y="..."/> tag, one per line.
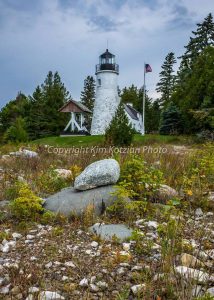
<point x="99" y="82"/>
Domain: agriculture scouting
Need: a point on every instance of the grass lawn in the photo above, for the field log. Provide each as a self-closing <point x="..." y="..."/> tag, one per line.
<point x="99" y="140"/>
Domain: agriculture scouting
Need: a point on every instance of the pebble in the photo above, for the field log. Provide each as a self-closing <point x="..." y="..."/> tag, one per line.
<point x="47" y="295"/>
<point x="94" y="288"/>
<point x="84" y="282"/>
<point x="33" y="290"/>
<point x="70" y="264"/>
<point x="94" y="244"/>
<point x="137" y="288"/>
<point x="102" y="284"/>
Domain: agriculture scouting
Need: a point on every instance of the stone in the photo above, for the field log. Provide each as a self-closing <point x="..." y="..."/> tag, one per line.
<point x="47" y="295"/>
<point x="5" y="290"/>
<point x="94" y="288"/>
<point x="199" y="212"/>
<point x="152" y="224"/>
<point x="165" y="193"/>
<point x="25" y="153"/>
<point x="197" y="291"/>
<point x="126" y="246"/>
<point x="16" y="235"/>
<point x="84" y="282"/>
<point x="63" y="173"/>
<point x="102" y="285"/>
<point x="138" y="288"/>
<point x="33" y="290"/>
<point x="70" y="264"/>
<point x="121" y="271"/>
<point x="188" y="260"/>
<point x="94" y="244"/>
<point x="100" y="173"/>
<point x="211" y="291"/>
<point x="69" y="200"/>
<point x="109" y="231"/>
<point x="194" y="274"/>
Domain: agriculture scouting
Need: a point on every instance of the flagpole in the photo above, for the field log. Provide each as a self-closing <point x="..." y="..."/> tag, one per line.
<point x="144" y="92"/>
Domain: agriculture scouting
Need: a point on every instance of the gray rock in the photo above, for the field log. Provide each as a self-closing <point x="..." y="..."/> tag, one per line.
<point x="69" y="200"/>
<point x="211" y="291"/>
<point x="107" y="232"/>
<point x="193" y="274"/>
<point x="99" y="173"/>
<point x="47" y="295"/>
<point x="165" y="193"/>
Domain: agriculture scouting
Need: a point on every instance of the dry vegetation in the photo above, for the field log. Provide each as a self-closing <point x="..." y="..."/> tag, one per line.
<point x="49" y="242"/>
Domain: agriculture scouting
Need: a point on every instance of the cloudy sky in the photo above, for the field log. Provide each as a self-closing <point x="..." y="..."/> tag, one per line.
<point x="69" y="35"/>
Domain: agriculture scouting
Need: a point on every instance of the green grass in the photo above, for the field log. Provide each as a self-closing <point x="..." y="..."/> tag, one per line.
<point x="97" y="140"/>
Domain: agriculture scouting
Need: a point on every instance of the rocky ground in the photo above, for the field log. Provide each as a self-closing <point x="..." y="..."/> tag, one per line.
<point x="69" y="262"/>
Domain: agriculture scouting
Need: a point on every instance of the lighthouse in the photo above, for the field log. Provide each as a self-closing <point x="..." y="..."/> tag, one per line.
<point x="107" y="98"/>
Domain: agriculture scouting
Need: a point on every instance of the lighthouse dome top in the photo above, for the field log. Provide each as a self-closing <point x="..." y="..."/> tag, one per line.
<point x="107" y="63"/>
<point x="107" y="54"/>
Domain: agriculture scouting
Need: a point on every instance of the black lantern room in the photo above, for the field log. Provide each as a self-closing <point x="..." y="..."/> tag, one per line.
<point x="107" y="63"/>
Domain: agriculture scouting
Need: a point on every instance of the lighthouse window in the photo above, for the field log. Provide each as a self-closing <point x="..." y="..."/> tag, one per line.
<point x="99" y="82"/>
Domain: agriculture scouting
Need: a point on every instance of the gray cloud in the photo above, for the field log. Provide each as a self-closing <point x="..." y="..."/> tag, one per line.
<point x="68" y="36"/>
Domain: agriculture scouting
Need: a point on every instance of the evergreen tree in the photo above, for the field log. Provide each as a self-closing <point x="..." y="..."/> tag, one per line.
<point x="16" y="132"/>
<point x="196" y="98"/>
<point x="201" y="39"/>
<point x="167" y="79"/>
<point x="88" y="97"/>
<point x="130" y="95"/>
<point x="171" y="122"/>
<point x="119" y="132"/>
<point x="44" y="117"/>
<point x="12" y="110"/>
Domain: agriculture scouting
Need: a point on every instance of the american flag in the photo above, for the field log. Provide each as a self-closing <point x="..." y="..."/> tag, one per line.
<point x="148" y="68"/>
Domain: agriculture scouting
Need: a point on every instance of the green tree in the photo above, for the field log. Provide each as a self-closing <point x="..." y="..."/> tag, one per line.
<point x="167" y="79"/>
<point x="201" y="39"/>
<point x="130" y="95"/>
<point x="17" y="131"/>
<point x="12" y="110"/>
<point x="171" y="121"/>
<point x="88" y="97"/>
<point x="45" y="118"/>
<point x="196" y="98"/>
<point x="119" y="131"/>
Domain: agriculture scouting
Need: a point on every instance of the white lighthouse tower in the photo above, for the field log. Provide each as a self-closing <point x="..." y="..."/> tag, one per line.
<point x="107" y="99"/>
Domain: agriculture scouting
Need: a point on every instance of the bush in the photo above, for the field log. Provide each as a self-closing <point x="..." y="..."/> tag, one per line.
<point x="171" y="122"/>
<point x="27" y="206"/>
<point x="140" y="179"/>
<point x="49" y="182"/>
<point x="119" y="132"/>
<point x="16" y="133"/>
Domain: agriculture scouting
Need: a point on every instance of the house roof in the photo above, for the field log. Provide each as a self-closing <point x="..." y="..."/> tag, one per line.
<point x="133" y="113"/>
<point x="74" y="106"/>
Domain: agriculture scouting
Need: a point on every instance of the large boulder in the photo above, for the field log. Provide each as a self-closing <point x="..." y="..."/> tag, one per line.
<point x="70" y="200"/>
<point x="100" y="173"/>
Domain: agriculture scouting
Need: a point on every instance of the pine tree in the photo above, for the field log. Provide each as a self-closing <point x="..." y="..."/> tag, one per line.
<point x="119" y="132"/>
<point x="88" y="97"/>
<point x="44" y="116"/>
<point x="202" y="38"/>
<point x="18" y="107"/>
<point x="17" y="131"/>
<point x="171" y="122"/>
<point x="167" y="79"/>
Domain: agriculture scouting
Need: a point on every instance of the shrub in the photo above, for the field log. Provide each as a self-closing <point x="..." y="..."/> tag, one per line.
<point x="27" y="206"/>
<point x="49" y="182"/>
<point x="17" y="132"/>
<point x="119" y="132"/>
<point x="171" y="122"/>
<point x="140" y="179"/>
